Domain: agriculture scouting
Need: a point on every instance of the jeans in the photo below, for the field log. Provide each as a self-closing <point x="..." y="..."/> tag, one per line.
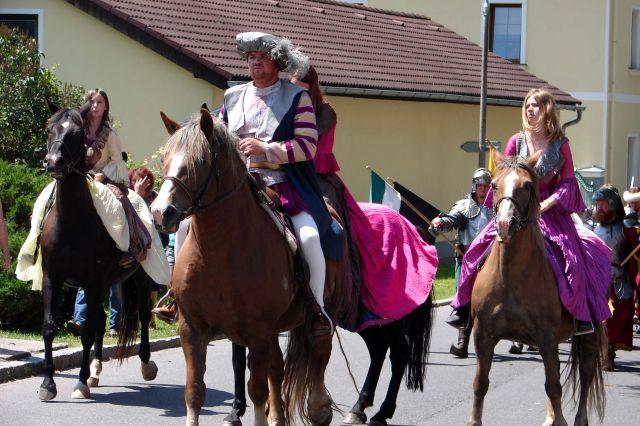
<point x="80" y="310"/>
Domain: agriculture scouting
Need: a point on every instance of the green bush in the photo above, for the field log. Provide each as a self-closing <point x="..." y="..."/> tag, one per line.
<point x="20" y="307"/>
<point x="25" y="88"/>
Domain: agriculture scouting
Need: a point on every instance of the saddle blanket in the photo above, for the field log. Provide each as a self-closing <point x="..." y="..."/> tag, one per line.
<point x="113" y="217"/>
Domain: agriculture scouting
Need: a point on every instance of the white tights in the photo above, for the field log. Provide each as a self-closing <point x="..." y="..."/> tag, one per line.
<point x="309" y="238"/>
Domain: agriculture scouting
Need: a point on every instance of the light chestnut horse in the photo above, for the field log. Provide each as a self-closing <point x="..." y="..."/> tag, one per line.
<point x="235" y="275"/>
<point x="516" y="297"/>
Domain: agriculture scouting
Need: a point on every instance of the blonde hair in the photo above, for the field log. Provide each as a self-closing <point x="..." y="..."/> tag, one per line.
<point x="548" y="122"/>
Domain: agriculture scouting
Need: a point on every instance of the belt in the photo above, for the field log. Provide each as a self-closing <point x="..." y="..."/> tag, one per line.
<point x="264" y="165"/>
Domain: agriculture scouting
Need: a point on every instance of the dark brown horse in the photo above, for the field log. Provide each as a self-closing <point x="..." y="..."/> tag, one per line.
<point x="516" y="297"/>
<point x="235" y="275"/>
<point x="76" y="248"/>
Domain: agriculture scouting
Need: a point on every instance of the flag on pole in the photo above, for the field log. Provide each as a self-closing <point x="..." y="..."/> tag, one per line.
<point x="491" y="166"/>
<point x="383" y="193"/>
<point x="405" y="202"/>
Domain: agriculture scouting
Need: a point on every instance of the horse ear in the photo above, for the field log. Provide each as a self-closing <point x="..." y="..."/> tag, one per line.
<point x="533" y="159"/>
<point x="171" y="126"/>
<point x="206" y="122"/>
<point x="53" y="108"/>
<point x="204" y="106"/>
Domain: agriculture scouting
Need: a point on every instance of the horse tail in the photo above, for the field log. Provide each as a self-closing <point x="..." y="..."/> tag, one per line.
<point x="298" y="379"/>
<point x="129" y="315"/>
<point x="586" y="354"/>
<point x="418" y="332"/>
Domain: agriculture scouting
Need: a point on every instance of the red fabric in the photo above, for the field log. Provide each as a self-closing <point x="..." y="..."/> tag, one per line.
<point x="620" y="325"/>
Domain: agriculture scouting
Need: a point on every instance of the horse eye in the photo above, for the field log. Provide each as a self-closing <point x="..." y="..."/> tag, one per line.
<point x="494" y="186"/>
<point x="527" y="185"/>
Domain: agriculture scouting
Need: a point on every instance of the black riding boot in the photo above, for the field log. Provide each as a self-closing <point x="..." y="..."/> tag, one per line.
<point x="461" y="349"/>
<point x="459" y="318"/>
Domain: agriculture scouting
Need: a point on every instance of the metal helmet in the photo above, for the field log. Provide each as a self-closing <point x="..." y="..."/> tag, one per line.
<point x="610" y="194"/>
<point x="481" y="175"/>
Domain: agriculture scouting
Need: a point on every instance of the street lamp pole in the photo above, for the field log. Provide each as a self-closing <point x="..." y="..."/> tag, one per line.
<point x="483" y="85"/>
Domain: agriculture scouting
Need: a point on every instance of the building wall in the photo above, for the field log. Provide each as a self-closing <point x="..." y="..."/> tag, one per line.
<point x="415" y="143"/>
<point x="139" y="82"/>
<point x="567" y="45"/>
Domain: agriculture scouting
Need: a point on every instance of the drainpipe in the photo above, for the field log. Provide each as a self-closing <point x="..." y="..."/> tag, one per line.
<point x="578" y="111"/>
<point x="607" y="66"/>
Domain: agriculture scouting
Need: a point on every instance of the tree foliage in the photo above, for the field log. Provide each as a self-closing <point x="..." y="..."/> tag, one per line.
<point x="25" y="87"/>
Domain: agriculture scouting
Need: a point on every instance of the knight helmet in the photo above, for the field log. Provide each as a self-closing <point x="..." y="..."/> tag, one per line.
<point x="481" y="175"/>
<point x="610" y="194"/>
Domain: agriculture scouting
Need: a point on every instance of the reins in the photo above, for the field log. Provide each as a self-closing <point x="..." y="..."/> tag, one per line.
<point x="522" y="217"/>
<point x="196" y="203"/>
<point x="72" y="165"/>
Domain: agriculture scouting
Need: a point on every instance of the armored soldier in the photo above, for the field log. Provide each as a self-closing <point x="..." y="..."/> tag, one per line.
<point x="608" y="224"/>
<point x="468" y="216"/>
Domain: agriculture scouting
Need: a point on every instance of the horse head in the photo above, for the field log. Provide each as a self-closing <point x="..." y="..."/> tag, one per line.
<point x="514" y="194"/>
<point x="193" y="159"/>
<point x="66" y="151"/>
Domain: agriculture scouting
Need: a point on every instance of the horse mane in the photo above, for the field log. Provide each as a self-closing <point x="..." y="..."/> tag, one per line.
<point x="194" y="145"/>
<point x="73" y="114"/>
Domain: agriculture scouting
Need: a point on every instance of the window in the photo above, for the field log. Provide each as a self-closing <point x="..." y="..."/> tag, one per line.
<point x="635" y="39"/>
<point x="505" y="31"/>
<point x="27" y="23"/>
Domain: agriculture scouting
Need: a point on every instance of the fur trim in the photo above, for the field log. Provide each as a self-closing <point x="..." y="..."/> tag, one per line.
<point x="630" y="197"/>
<point x="287" y="57"/>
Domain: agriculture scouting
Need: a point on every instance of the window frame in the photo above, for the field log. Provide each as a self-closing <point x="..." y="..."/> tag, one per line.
<point x="523" y="26"/>
<point x="634" y="67"/>
<point x="40" y="16"/>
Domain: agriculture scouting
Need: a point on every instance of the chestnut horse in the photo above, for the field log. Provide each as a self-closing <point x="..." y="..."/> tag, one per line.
<point x="76" y="248"/>
<point x="235" y="275"/>
<point x="516" y="297"/>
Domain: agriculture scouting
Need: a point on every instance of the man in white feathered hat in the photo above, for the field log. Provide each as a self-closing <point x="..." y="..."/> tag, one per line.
<point x="276" y="123"/>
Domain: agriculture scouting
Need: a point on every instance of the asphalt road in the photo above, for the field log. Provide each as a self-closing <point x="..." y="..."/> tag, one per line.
<point x="516" y="395"/>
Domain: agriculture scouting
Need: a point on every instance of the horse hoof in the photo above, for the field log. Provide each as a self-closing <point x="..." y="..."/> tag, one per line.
<point x="322" y="418"/>
<point x="232" y="419"/>
<point x="149" y="370"/>
<point x="93" y="382"/>
<point x="355" y="419"/>
<point x="516" y="348"/>
<point x="47" y="394"/>
<point x="80" y="391"/>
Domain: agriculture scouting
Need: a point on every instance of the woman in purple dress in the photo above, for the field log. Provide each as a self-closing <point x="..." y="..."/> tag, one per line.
<point x="569" y="246"/>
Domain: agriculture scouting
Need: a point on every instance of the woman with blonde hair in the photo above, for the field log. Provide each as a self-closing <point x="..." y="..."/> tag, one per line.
<point x="583" y="290"/>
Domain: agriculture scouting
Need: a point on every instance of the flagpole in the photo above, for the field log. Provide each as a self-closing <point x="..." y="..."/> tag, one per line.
<point x="423" y="217"/>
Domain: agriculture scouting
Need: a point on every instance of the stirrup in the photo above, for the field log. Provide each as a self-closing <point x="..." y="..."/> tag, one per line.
<point x="583" y="327"/>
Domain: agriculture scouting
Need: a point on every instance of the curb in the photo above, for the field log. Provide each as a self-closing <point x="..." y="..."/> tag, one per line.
<point x="65" y="359"/>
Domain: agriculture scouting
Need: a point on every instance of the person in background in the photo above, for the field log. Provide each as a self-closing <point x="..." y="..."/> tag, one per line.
<point x="607" y="223"/>
<point x="469" y="216"/>
<point x="632" y="198"/>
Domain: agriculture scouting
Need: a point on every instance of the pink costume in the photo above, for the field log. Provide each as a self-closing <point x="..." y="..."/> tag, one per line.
<point x="397" y="267"/>
<point x="580" y="260"/>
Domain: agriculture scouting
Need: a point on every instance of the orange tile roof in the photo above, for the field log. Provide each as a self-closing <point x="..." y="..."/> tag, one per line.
<point x="357" y="50"/>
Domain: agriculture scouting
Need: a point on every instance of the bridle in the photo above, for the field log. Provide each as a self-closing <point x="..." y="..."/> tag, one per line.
<point x="72" y="166"/>
<point x="196" y="204"/>
<point x="521" y="217"/>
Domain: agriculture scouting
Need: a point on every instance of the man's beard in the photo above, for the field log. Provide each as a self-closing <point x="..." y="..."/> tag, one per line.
<point x="604" y="218"/>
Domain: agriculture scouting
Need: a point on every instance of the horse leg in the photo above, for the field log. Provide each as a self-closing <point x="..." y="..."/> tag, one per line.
<point x="95" y="313"/>
<point x="48" y="389"/>
<point x="276" y="377"/>
<point x="377" y="346"/>
<point x="96" y="365"/>
<point x="194" y="347"/>
<point x="399" y="357"/>
<point x="259" y="359"/>
<point x="319" y="401"/>
<point x="239" y="362"/>
<point x="484" y="345"/>
<point x="552" y="385"/>
<point x="148" y="368"/>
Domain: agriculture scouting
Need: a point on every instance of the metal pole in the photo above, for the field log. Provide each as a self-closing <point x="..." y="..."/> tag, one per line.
<point x="483" y="85"/>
